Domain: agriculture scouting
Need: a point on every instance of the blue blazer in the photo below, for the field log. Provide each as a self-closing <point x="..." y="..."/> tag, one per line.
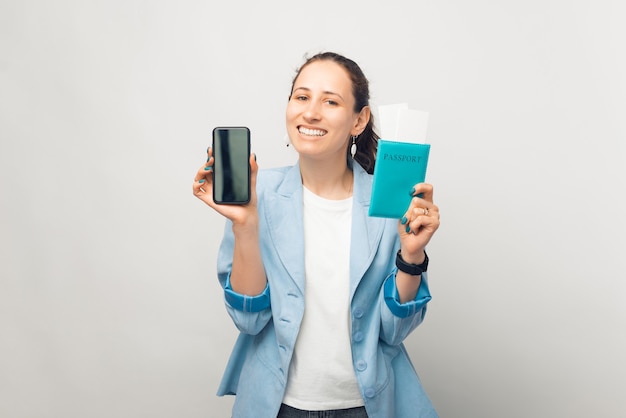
<point x="269" y="323"/>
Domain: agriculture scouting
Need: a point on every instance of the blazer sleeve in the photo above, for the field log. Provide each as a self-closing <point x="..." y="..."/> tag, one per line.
<point x="249" y="313"/>
<point x="398" y="320"/>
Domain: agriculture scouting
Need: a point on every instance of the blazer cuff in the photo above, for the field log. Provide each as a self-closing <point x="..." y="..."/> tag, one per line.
<point x="247" y="303"/>
<point x="404" y="310"/>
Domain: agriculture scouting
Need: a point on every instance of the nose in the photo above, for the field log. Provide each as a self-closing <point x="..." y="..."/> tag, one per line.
<point x="312" y="111"/>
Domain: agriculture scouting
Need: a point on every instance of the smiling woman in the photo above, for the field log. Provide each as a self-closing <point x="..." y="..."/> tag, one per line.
<point x="323" y="308"/>
<point x="321" y="117"/>
<point x="345" y="88"/>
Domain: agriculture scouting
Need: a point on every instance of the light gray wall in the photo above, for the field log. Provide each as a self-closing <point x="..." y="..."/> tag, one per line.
<point x="109" y="304"/>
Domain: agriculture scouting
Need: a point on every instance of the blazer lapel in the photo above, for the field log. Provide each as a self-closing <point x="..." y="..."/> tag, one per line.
<point x="366" y="231"/>
<point x="284" y="217"/>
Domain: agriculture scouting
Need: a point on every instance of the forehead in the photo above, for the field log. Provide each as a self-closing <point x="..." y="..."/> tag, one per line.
<point x="327" y="75"/>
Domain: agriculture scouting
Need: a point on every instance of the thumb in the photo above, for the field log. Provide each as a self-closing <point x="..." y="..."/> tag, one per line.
<point x="254" y="169"/>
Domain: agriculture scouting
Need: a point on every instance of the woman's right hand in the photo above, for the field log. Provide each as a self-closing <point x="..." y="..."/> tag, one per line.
<point x="203" y="190"/>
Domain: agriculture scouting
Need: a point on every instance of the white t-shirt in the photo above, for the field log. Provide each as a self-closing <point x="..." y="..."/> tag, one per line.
<point x="321" y="376"/>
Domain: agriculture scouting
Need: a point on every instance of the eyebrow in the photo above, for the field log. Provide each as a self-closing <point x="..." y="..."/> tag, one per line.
<point x="325" y="91"/>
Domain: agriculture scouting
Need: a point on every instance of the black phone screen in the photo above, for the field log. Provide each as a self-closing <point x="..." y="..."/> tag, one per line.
<point x="231" y="167"/>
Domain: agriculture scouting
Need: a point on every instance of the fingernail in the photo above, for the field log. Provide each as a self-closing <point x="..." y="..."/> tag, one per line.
<point x="254" y="156"/>
<point x="403" y="220"/>
<point x="408" y="229"/>
<point x="207" y="160"/>
<point x="208" y="167"/>
<point x="201" y="181"/>
<point x="412" y="191"/>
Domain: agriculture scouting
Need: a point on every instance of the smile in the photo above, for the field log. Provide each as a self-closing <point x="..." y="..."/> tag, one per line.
<point x="311" y="132"/>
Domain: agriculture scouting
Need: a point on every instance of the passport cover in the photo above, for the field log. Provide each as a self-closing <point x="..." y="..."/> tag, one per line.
<point x="399" y="166"/>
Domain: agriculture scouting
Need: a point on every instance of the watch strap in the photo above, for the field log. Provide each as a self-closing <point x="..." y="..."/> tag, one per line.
<point x="409" y="268"/>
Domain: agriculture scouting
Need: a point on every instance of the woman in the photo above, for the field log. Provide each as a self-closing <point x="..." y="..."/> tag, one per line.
<point x="322" y="294"/>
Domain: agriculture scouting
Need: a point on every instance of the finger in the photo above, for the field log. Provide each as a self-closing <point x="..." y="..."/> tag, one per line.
<point x="415" y="224"/>
<point x="203" y="179"/>
<point x="424" y="209"/>
<point x="420" y="216"/>
<point x="198" y="187"/>
<point x="417" y="207"/>
<point x="421" y="221"/>
<point x="254" y="167"/>
<point x="423" y="191"/>
<point x="203" y="190"/>
<point x="210" y="159"/>
<point x="207" y="167"/>
<point x="204" y="172"/>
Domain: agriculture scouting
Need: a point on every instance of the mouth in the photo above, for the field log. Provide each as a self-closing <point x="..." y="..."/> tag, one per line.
<point x="311" y="132"/>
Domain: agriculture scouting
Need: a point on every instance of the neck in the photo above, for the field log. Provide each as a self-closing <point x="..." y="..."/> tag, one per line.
<point x="329" y="180"/>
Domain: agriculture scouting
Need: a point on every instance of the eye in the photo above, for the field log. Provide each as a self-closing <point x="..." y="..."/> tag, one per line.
<point x="331" y="102"/>
<point x="301" y="98"/>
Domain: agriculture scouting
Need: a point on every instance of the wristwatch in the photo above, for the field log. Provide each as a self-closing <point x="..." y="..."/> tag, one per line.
<point x="412" y="269"/>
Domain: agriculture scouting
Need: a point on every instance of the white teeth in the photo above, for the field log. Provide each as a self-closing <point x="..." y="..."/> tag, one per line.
<point x="311" y="132"/>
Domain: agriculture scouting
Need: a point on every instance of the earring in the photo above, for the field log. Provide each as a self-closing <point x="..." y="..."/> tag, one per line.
<point x="286" y="139"/>
<point x="353" y="147"/>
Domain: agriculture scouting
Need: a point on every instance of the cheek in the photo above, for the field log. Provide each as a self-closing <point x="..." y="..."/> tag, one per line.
<point x="341" y="122"/>
<point x="290" y="112"/>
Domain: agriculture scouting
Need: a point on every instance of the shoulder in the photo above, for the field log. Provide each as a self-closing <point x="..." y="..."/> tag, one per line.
<point x="362" y="184"/>
<point x="284" y="180"/>
<point x="268" y="176"/>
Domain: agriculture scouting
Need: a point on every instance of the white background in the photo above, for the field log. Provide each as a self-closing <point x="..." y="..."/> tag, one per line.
<point x="109" y="302"/>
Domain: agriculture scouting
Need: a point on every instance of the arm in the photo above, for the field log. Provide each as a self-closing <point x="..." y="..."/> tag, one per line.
<point x="416" y="228"/>
<point x="240" y="266"/>
<point x="248" y="275"/>
<point x="406" y="295"/>
<point x="250" y="313"/>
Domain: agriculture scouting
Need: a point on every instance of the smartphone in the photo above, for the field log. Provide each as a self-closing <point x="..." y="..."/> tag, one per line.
<point x="231" y="166"/>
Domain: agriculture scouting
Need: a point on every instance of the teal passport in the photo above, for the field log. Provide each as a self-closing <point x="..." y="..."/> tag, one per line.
<point x="399" y="167"/>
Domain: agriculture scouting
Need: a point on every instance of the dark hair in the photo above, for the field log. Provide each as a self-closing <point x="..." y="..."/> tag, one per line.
<point x="367" y="143"/>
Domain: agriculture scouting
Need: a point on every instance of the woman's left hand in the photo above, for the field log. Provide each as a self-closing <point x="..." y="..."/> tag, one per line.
<point x="419" y="223"/>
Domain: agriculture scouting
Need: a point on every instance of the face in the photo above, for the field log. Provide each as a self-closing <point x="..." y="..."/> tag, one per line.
<point x="320" y="114"/>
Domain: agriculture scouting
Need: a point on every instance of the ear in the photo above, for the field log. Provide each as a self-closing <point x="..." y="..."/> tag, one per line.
<point x="361" y="121"/>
